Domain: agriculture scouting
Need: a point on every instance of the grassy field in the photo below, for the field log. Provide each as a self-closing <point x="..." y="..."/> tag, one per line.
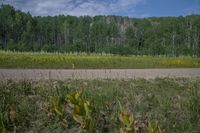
<point x="93" y="61"/>
<point x="170" y="105"/>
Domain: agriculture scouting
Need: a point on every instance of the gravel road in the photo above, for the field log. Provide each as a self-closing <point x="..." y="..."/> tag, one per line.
<point x="61" y="74"/>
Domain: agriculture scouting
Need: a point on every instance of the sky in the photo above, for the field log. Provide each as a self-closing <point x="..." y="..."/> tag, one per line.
<point x="130" y="8"/>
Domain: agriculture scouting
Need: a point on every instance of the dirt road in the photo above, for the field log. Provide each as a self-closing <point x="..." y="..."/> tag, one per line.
<point x="37" y="74"/>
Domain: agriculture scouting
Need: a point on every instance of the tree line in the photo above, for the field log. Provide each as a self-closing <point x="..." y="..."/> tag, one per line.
<point x="170" y="36"/>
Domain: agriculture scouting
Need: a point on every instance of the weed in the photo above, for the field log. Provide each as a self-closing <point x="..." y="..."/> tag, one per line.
<point x="25" y="105"/>
<point x="82" y="111"/>
<point x="57" y="108"/>
<point x="95" y="61"/>
<point x="194" y="105"/>
<point x="153" y="127"/>
<point x="127" y="120"/>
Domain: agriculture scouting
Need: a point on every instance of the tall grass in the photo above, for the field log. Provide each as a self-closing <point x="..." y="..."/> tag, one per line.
<point x="92" y="61"/>
<point x="172" y="103"/>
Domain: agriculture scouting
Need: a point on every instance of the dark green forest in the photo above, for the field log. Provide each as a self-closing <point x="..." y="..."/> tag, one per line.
<point x="170" y="36"/>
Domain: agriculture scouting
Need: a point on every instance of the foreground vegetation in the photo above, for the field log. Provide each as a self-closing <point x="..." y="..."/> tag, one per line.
<point x="94" y="61"/>
<point x="160" y="105"/>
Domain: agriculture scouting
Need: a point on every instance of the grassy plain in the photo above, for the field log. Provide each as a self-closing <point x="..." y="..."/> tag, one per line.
<point x="173" y="103"/>
<point x="93" y="61"/>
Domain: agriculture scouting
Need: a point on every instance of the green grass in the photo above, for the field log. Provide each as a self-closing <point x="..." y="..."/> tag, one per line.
<point x="173" y="103"/>
<point x="93" y="61"/>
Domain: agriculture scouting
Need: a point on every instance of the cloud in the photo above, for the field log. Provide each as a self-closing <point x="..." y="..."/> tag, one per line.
<point x="74" y="7"/>
<point x="192" y="10"/>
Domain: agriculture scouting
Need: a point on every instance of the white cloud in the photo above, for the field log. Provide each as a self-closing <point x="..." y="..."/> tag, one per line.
<point x="74" y="7"/>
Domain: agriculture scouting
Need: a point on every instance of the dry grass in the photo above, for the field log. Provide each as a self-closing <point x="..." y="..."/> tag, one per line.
<point x="173" y="103"/>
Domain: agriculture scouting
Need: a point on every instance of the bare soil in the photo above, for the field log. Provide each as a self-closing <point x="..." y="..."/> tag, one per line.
<point x="62" y="74"/>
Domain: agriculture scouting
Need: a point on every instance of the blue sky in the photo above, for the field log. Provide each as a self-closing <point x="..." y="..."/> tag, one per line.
<point x="130" y="8"/>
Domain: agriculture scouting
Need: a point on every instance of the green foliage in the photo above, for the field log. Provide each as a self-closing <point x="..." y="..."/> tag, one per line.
<point x="170" y="36"/>
<point x="75" y="106"/>
<point x="82" y="111"/>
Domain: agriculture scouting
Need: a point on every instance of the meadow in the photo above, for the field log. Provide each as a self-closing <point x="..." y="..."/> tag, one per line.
<point x="154" y="106"/>
<point x="93" y="61"/>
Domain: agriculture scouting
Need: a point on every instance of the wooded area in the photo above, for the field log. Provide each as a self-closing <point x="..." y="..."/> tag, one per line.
<point x="170" y="36"/>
